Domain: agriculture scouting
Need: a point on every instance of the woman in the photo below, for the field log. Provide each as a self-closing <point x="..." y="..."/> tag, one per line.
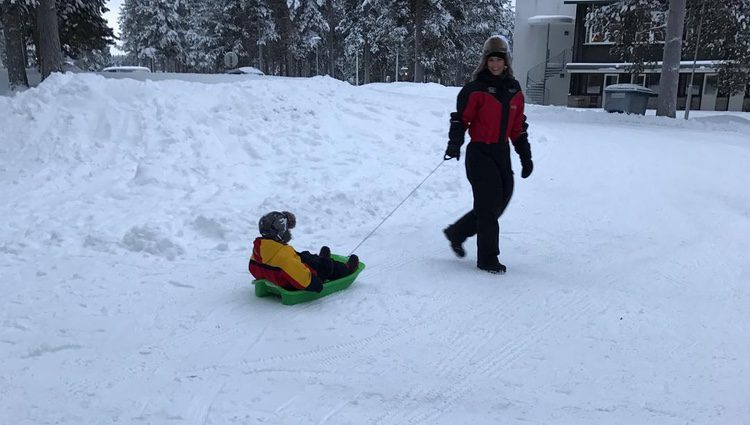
<point x="491" y="107"/>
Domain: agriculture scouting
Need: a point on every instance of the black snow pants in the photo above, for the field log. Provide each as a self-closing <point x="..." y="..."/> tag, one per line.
<point x="488" y="168"/>
<point x="326" y="268"/>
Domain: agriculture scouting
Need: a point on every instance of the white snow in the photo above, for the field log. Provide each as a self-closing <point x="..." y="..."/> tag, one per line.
<point x="129" y="208"/>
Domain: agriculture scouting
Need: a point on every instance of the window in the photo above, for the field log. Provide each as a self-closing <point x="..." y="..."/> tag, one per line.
<point x="639" y="79"/>
<point x="594" y="85"/>
<point x="610" y="79"/>
<point x="653" y="32"/>
<point x="682" y="85"/>
<point x="711" y="87"/>
<point x="657" y="33"/>
<point x="656" y="36"/>
<point x="595" y="34"/>
<point x="682" y="89"/>
<point x="652" y="81"/>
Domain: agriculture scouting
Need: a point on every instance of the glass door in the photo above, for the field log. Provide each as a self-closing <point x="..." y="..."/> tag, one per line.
<point x="710" y="92"/>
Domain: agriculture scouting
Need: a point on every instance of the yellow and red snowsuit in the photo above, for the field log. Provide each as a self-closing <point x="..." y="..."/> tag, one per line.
<point x="280" y="264"/>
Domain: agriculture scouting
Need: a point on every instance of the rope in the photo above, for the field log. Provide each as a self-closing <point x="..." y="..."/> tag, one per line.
<point x="397" y="207"/>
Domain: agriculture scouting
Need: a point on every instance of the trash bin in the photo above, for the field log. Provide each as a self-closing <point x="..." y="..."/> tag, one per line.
<point x="628" y="98"/>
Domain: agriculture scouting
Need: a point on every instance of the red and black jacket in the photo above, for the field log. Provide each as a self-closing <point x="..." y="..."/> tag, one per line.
<point x="492" y="109"/>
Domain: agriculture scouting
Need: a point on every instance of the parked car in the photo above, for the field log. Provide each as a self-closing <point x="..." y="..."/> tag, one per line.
<point x="126" y="69"/>
<point x="70" y="66"/>
<point x="246" y="70"/>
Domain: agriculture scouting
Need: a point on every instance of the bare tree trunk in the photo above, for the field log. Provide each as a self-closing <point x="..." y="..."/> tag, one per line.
<point x="14" y="50"/>
<point x="284" y="21"/>
<point x="666" y="103"/>
<point x="366" y="62"/>
<point x="50" y="54"/>
<point x="418" y="24"/>
<point x="331" y="45"/>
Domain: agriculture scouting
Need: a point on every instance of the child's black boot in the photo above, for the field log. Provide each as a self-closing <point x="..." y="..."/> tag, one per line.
<point x="352" y="263"/>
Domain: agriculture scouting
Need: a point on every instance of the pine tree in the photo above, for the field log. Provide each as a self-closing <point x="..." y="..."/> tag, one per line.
<point x="725" y="37"/>
<point x="84" y="33"/>
<point x="309" y="24"/>
<point x="42" y="22"/>
<point x="221" y="26"/>
<point x="11" y="17"/>
<point x="371" y="36"/>
<point x="476" y="20"/>
<point x="155" y="30"/>
<point x="83" y="27"/>
<point x="439" y="50"/>
<point x="634" y="26"/>
<point x="132" y="20"/>
<point x="670" y="69"/>
<point x="50" y="51"/>
<point x="334" y="12"/>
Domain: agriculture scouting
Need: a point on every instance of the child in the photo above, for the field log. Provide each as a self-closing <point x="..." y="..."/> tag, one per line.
<point x="279" y="263"/>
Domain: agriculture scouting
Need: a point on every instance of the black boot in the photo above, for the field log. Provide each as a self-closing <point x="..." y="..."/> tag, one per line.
<point x="352" y="263"/>
<point x="494" y="267"/>
<point x="456" y="246"/>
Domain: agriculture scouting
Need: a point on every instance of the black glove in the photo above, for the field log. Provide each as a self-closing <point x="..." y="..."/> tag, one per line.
<point x="527" y="166"/>
<point x="455" y="137"/>
<point x="453" y="151"/>
<point x="523" y="149"/>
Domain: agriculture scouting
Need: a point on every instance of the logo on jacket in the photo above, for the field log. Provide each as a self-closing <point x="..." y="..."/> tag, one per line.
<point x="492" y="90"/>
<point x="512" y="91"/>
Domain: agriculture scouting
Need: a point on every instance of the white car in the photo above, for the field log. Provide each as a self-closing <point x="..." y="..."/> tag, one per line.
<point x="247" y="70"/>
<point x="126" y="69"/>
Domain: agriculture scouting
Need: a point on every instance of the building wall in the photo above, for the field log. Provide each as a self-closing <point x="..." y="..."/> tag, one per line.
<point x="529" y="43"/>
<point x="586" y="89"/>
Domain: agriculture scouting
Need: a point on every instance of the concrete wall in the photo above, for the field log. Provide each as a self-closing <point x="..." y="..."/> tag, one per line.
<point x="529" y="43"/>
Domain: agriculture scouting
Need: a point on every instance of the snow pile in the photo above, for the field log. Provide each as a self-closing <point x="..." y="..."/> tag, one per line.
<point x="158" y="167"/>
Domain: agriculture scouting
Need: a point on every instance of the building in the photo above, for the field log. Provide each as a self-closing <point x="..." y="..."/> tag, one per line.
<point x="542" y="45"/>
<point x="569" y="62"/>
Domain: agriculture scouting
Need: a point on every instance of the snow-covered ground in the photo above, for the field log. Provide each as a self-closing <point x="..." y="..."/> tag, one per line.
<point x="129" y="208"/>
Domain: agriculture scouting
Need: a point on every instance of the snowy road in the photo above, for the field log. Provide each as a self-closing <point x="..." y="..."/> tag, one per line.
<point x="130" y="207"/>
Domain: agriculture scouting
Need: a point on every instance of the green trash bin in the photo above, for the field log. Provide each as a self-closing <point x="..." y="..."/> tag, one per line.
<point x="627" y="98"/>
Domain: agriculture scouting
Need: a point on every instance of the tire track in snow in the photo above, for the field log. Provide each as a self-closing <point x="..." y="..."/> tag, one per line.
<point x="508" y="354"/>
<point x="384" y="336"/>
<point x="469" y="345"/>
<point x="458" y="378"/>
<point x="335" y="352"/>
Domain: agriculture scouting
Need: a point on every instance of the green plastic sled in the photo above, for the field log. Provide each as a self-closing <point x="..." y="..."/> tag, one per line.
<point x="264" y="288"/>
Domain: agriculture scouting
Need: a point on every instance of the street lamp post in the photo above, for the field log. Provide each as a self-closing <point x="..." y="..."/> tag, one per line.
<point x="689" y="99"/>
<point x="396" y="65"/>
<point x="316" y="40"/>
<point x="260" y="54"/>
